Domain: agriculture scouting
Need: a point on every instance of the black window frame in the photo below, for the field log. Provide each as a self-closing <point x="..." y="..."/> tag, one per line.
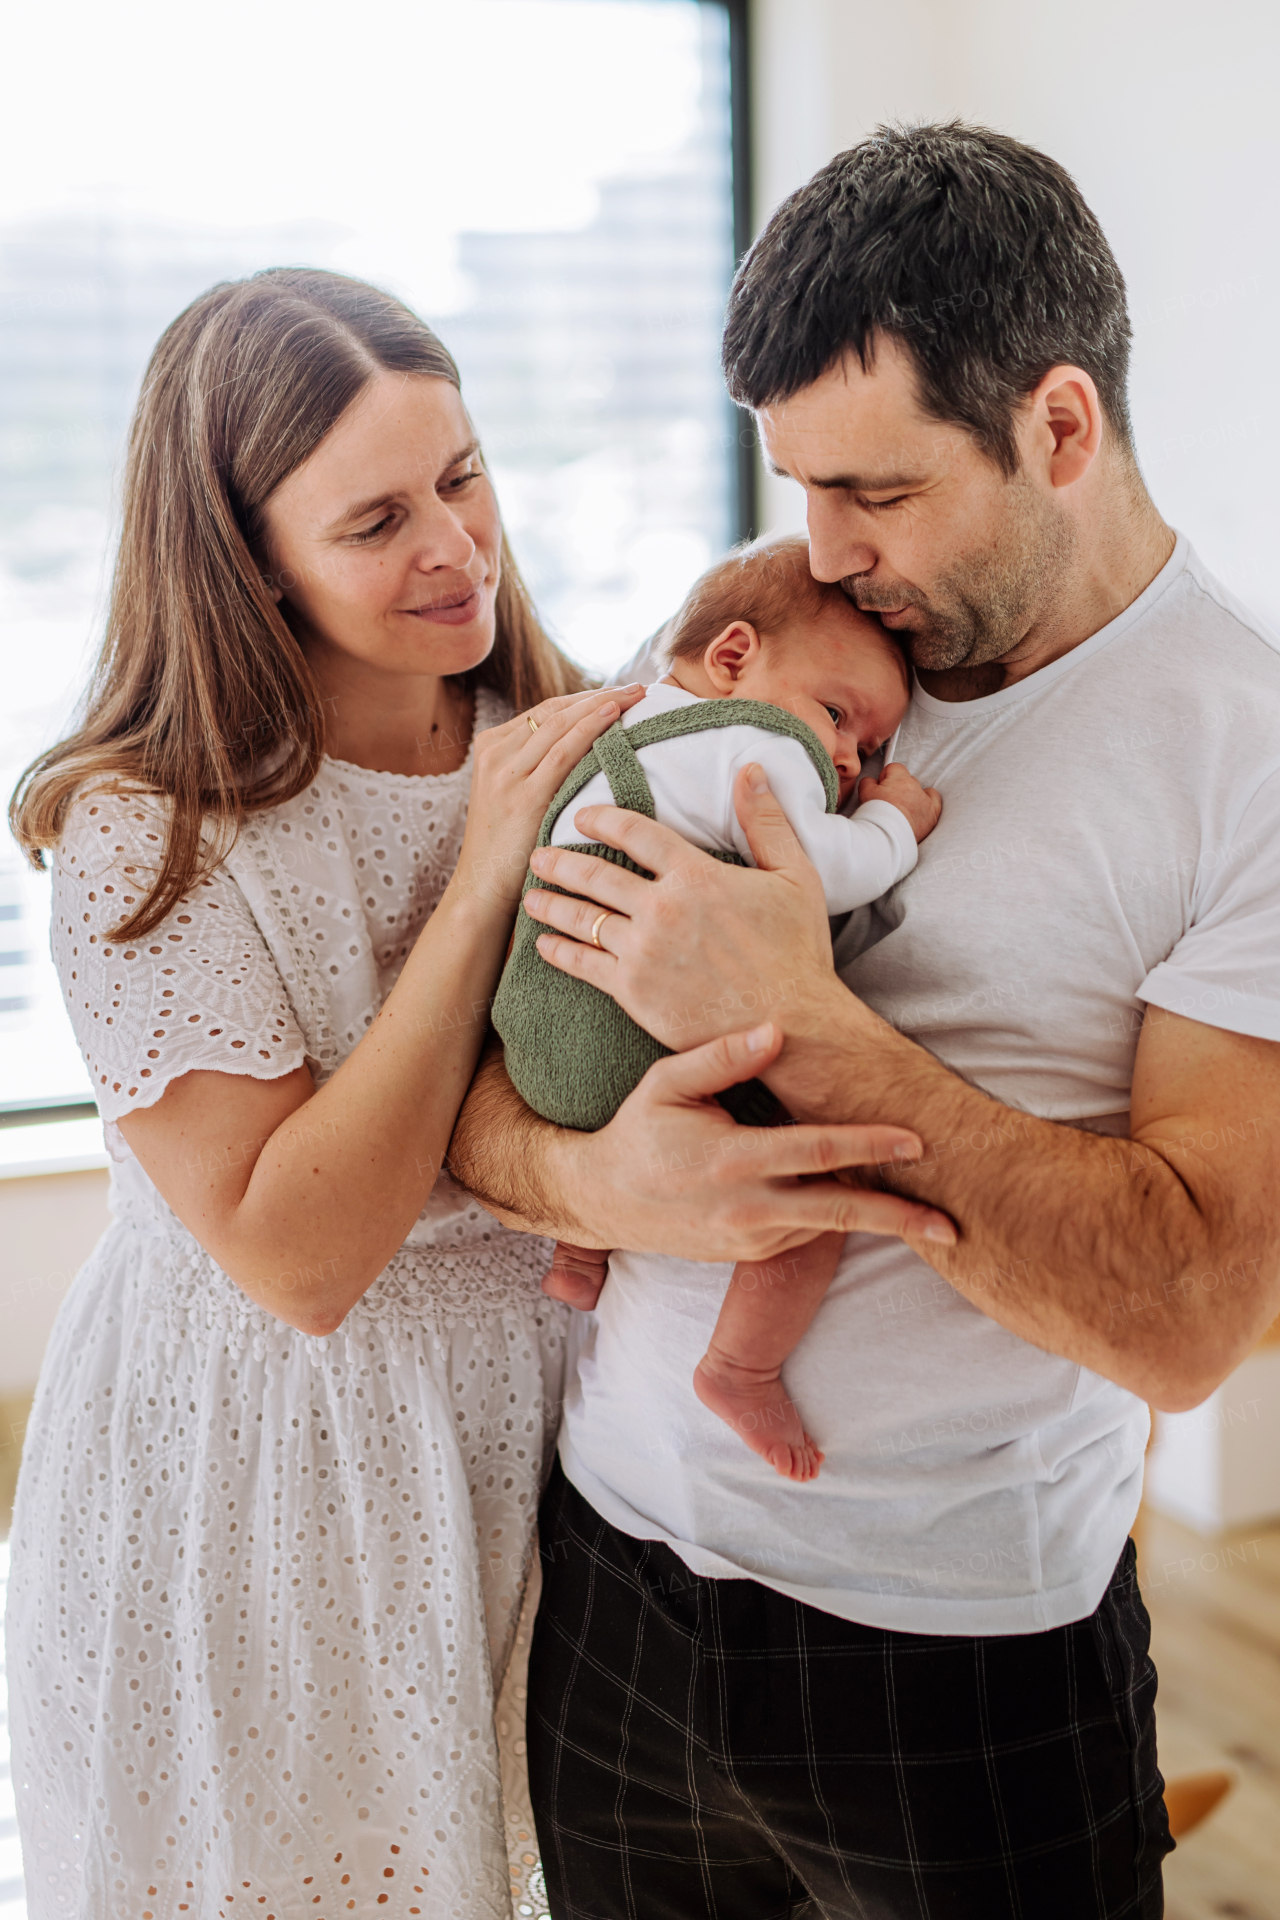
<point x="746" y="467"/>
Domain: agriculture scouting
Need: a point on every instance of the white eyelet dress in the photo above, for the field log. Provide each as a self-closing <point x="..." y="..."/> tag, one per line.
<point x="265" y="1587"/>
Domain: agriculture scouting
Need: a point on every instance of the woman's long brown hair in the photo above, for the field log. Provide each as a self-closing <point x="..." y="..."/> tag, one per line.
<point x="201" y="691"/>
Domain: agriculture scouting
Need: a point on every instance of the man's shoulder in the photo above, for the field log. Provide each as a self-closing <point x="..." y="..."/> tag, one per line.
<point x="1191" y="692"/>
<point x="1212" y="628"/>
<point x="1216" y="602"/>
<point x="1197" y="667"/>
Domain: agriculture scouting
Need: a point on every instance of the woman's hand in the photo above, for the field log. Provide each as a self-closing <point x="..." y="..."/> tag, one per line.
<point x="518" y="770"/>
<point x="704" y="948"/>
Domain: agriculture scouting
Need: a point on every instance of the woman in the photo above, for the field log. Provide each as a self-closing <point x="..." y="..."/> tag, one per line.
<point x="278" y="1490"/>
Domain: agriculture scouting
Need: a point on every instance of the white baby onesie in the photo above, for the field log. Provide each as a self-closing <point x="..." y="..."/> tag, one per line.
<point x="692" y="777"/>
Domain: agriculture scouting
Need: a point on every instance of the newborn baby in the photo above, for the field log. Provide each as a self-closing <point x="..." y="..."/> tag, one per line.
<point x="763" y="664"/>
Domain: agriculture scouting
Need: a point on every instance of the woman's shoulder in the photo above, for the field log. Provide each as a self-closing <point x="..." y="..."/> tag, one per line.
<point x="108" y="860"/>
<point x="199" y="991"/>
<point x="112" y="826"/>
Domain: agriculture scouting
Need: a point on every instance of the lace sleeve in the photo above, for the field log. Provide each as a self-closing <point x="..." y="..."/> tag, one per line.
<point x="200" y="992"/>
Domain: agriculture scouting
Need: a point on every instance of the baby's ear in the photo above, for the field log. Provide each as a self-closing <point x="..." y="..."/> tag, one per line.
<point x="730" y="653"/>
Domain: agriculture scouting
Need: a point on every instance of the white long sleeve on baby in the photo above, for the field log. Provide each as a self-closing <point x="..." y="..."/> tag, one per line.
<point x="692" y="778"/>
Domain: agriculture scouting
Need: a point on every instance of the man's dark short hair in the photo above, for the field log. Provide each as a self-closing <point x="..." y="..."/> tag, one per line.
<point x="978" y="254"/>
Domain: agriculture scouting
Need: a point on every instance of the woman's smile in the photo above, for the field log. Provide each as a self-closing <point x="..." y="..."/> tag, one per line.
<point x="457" y="609"/>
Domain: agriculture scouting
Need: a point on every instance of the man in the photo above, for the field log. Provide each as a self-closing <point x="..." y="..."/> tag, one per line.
<point x="921" y="1686"/>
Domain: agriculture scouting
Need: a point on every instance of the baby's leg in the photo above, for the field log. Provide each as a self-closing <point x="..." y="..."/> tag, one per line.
<point x="577" y="1274"/>
<point x="766" y="1311"/>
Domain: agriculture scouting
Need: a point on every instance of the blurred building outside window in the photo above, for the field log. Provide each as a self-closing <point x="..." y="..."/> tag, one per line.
<point x="549" y="181"/>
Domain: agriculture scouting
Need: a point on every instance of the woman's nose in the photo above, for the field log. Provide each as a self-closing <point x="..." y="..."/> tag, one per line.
<point x="445" y="543"/>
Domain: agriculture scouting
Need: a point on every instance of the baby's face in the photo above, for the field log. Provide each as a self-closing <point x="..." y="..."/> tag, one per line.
<point x="842" y="676"/>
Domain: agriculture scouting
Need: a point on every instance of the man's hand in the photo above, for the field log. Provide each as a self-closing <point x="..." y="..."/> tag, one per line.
<point x="922" y="805"/>
<point x="703" y="948"/>
<point x="1153" y="1262"/>
<point x="672" y="1173"/>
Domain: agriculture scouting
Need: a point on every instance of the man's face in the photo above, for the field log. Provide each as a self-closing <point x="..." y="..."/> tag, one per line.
<point x="917" y="524"/>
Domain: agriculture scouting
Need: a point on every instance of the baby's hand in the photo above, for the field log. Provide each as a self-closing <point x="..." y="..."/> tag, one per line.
<point x="922" y="805"/>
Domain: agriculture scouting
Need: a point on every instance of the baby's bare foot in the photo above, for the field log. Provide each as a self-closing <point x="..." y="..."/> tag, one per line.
<point x="759" y="1409"/>
<point x="575" y="1289"/>
<point x="577" y="1275"/>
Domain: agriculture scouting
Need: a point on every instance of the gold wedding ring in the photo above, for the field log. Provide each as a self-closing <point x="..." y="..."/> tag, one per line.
<point x="533" y="725"/>
<point x="599" y="922"/>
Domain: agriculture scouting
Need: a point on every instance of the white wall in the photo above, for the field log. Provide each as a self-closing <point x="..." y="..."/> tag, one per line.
<point x="1168" y="116"/>
<point x="48" y="1227"/>
<point x="1218" y="1466"/>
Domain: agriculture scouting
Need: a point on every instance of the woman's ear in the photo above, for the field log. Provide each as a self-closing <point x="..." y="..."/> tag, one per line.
<point x="730" y="654"/>
<point x="257" y="538"/>
<point x="267" y="572"/>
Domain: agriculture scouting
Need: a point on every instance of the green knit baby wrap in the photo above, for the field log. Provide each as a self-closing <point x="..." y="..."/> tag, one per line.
<point x="572" y="1054"/>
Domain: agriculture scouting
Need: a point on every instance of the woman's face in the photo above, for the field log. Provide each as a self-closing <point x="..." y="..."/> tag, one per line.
<point x="386" y="541"/>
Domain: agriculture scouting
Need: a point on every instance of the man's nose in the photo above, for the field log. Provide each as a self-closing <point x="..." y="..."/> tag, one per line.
<point x="835" y="550"/>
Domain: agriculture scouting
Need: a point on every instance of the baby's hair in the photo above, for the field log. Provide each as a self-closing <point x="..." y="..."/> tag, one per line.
<point x="767" y="583"/>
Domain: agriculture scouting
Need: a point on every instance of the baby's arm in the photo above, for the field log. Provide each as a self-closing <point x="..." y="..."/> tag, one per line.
<point x="764" y="1316"/>
<point x="859" y="858"/>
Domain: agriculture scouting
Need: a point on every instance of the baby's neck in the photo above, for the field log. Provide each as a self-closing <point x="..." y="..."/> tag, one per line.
<point x="694" y="678"/>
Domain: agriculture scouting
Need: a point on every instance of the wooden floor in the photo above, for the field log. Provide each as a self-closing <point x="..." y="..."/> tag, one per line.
<point x="1215" y="1616"/>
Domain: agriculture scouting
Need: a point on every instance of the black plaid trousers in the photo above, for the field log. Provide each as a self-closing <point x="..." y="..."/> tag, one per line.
<point x="712" y="1750"/>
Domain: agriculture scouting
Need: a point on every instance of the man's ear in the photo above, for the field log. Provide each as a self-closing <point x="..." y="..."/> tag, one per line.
<point x="1062" y="426"/>
<point x="729" y="654"/>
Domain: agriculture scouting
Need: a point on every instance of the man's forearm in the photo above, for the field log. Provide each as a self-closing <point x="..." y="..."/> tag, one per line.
<point x="1076" y="1245"/>
<point x="511" y="1159"/>
<point x="1097" y="1248"/>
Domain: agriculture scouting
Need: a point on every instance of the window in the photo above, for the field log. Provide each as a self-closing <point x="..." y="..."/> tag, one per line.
<point x="550" y="181"/>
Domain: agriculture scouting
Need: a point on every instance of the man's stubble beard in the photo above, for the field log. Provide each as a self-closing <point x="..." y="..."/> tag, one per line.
<point x="983" y="606"/>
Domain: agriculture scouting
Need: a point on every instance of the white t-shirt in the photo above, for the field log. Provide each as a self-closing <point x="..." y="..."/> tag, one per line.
<point x="1110" y="836"/>
<point x="691" y="779"/>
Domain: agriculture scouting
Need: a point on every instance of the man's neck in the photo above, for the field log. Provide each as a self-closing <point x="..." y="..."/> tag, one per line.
<point x="1115" y="560"/>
